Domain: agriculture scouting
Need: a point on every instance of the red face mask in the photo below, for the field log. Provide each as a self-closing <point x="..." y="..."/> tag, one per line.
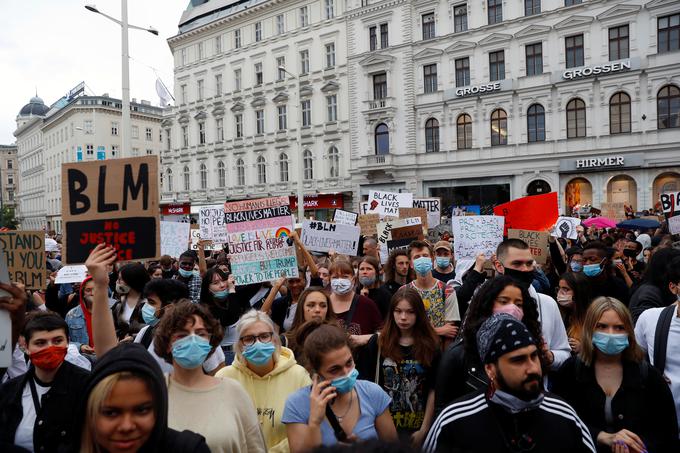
<point x="49" y="358"/>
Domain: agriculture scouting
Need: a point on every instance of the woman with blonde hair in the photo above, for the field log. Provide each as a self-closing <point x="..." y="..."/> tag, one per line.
<point x="268" y="372"/>
<point x="626" y="403"/>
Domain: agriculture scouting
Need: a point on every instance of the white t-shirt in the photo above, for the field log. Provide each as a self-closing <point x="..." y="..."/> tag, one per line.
<point x="127" y="312"/>
<point x="23" y="437"/>
<point x="645" y="332"/>
<point x="290" y="315"/>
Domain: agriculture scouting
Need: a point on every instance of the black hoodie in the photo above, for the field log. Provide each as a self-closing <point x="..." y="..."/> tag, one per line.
<point x="135" y="358"/>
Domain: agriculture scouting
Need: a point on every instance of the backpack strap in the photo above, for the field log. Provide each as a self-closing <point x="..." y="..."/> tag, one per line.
<point x="147" y="338"/>
<point x="663" y="326"/>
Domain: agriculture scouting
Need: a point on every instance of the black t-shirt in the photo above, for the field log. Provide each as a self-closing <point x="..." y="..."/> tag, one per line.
<point x="444" y="277"/>
<point x="381" y="297"/>
<point x="229" y="311"/>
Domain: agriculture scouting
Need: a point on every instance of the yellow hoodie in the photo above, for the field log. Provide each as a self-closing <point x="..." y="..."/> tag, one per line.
<point x="269" y="393"/>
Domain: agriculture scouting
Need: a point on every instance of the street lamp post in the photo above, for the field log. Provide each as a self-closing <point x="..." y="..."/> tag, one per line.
<point x="126" y="133"/>
<point x="301" y="166"/>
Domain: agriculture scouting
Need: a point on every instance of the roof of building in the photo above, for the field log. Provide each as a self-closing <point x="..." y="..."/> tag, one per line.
<point x="35" y="107"/>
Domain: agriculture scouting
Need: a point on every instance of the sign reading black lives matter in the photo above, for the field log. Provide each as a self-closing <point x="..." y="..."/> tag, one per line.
<point x="113" y="202"/>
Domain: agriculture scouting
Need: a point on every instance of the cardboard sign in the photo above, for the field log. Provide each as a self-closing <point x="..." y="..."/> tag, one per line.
<point x="257" y="237"/>
<point x="674" y="224"/>
<point x="385" y="234"/>
<point x="405" y="213"/>
<point x="565" y="227"/>
<point x="211" y="222"/>
<point x="537" y="241"/>
<point x="345" y="217"/>
<point x="368" y="224"/>
<point x="433" y="206"/>
<point x="320" y="236"/>
<point x="71" y="274"/>
<point x="535" y="212"/>
<point x="174" y="238"/>
<point x="24" y="255"/>
<point x="615" y="211"/>
<point x="388" y="203"/>
<point x="473" y="235"/>
<point x="113" y="202"/>
<point x="670" y="203"/>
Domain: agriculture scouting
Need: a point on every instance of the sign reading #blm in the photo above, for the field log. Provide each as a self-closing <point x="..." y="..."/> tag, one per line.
<point x="114" y="202"/>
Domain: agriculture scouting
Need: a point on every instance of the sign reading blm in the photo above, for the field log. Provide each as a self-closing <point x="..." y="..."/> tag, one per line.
<point x="114" y="202"/>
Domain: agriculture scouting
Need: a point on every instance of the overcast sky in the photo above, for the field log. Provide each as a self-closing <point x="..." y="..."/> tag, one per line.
<point x="53" y="45"/>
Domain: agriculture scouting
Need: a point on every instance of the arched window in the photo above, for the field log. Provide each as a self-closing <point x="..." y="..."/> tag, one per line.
<point x="536" y="123"/>
<point x="464" y="131"/>
<point x="619" y="113"/>
<point x="432" y="135"/>
<point x="333" y="162"/>
<point x="283" y="167"/>
<point x="261" y="170"/>
<point x="668" y="107"/>
<point x="382" y="139"/>
<point x="221" y="174"/>
<point x="187" y="179"/>
<point x="308" y="165"/>
<point x="576" y="118"/>
<point x="499" y="127"/>
<point x="168" y="179"/>
<point x="241" y="172"/>
<point x="204" y="177"/>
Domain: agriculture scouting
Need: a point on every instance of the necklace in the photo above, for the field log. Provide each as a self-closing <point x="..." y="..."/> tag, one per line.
<point x="351" y="401"/>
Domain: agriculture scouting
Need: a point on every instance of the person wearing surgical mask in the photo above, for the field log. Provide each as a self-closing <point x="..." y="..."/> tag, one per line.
<point x="370" y="284"/>
<point x="573" y="297"/>
<point x="443" y="269"/>
<point x="186" y="274"/>
<point x="597" y="269"/>
<point x="268" y="373"/>
<point x="126" y="312"/>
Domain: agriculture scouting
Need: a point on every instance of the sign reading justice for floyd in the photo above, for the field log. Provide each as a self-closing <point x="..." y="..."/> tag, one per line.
<point x="114" y="202"/>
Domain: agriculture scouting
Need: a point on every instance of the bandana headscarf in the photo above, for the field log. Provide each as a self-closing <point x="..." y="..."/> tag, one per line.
<point x="86" y="313"/>
<point x="500" y="334"/>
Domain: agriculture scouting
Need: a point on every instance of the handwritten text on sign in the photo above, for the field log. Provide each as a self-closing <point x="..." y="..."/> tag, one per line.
<point x="388" y="203"/>
<point x="536" y="240"/>
<point x="670" y="203"/>
<point x="24" y="253"/>
<point x="320" y="236"/>
<point x="384" y="231"/>
<point x="433" y="206"/>
<point x="345" y="217"/>
<point x="212" y="222"/>
<point x="476" y="234"/>
<point x="174" y="238"/>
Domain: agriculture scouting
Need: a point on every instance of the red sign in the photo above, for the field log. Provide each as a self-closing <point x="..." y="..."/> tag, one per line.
<point x="325" y="201"/>
<point x="176" y="209"/>
<point x="535" y="212"/>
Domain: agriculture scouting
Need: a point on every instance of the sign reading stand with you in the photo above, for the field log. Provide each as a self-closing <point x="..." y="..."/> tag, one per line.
<point x="114" y="202"/>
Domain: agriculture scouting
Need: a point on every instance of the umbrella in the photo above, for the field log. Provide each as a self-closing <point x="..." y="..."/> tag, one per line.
<point x="599" y="222"/>
<point x="641" y="224"/>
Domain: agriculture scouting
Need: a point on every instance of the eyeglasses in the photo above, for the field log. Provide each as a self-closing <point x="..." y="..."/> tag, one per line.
<point x="249" y="340"/>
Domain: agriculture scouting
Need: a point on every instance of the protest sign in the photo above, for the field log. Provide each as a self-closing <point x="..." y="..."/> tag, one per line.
<point x="257" y="233"/>
<point x="368" y="224"/>
<point x="114" y="202"/>
<point x="384" y="231"/>
<point x="565" y="228"/>
<point x="388" y="203"/>
<point x="670" y="203"/>
<point x="195" y="236"/>
<point x="674" y="224"/>
<point x="24" y="255"/>
<point x="174" y="238"/>
<point x="401" y="238"/>
<point x="616" y="211"/>
<point x="433" y="206"/>
<point x="473" y="235"/>
<point x="537" y="241"/>
<point x="405" y="213"/>
<point x="211" y="222"/>
<point x="71" y="274"/>
<point x="535" y="212"/>
<point x="320" y="236"/>
<point x="345" y="217"/>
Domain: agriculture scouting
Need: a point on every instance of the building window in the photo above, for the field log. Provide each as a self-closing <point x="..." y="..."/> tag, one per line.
<point x="574" y="50"/>
<point x="168" y="179"/>
<point x="499" y="127"/>
<point x="382" y="139"/>
<point x="668" y="107"/>
<point x="495" y="10"/>
<point x="135" y="152"/>
<point x="330" y="55"/>
<point x="185" y="136"/>
<point x="619" y="113"/>
<point x="572" y="2"/>
<point x="183" y="93"/>
<point x="10" y="164"/>
<point x="240" y="172"/>
<point x="199" y="90"/>
<point x="218" y="84"/>
<point x="428" y="26"/>
<point x="333" y="162"/>
<point x="304" y="62"/>
<point x="306" y="113"/>
<point x="304" y="17"/>
<point x="283" y="167"/>
<point x="497" y="65"/>
<point x="280" y="68"/>
<point x="200" y="51"/>
<point x="219" y="129"/>
<point x="576" y="118"/>
<point x="283" y="117"/>
<point x="532" y="7"/>
<point x="10" y="180"/>
<point x="114" y="128"/>
<point x="430" y="78"/>
<point x="308" y="165"/>
<point x="218" y="44"/>
<point x="237" y="39"/>
<point x="432" y="136"/>
<point x="330" y="10"/>
<point x="668" y="33"/>
<point x="258" y="74"/>
<point x="187" y="179"/>
<point x="332" y="108"/>
<point x="463" y="72"/>
<point x="384" y="43"/>
<point x="261" y="170"/>
<point x="88" y="127"/>
<point x="221" y="175"/>
<point x="373" y="38"/>
<point x="380" y="86"/>
<point x="204" y="177"/>
<point x="258" y="31"/>
<point x="135" y="131"/>
<point x="149" y="152"/>
<point x="238" y="125"/>
<point x="536" y="123"/>
<point x="280" y="27"/>
<point x="237" y="80"/>
<point x="618" y="43"/>
<point x="259" y="121"/>
<point x="201" y="132"/>
<point x="460" y="18"/>
<point x="149" y="134"/>
<point x="534" y="58"/>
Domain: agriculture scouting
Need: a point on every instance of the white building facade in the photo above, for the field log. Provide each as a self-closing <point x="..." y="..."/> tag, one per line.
<point x="9" y="180"/>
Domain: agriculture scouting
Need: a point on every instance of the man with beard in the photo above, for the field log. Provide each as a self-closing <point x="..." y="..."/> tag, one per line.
<point x="514" y="414"/>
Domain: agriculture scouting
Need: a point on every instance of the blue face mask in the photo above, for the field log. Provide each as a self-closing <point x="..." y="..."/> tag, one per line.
<point x="149" y="315"/>
<point x="610" y="343"/>
<point x="592" y="270"/>
<point x="443" y="262"/>
<point x="190" y="352"/>
<point x="185" y="273"/>
<point x="220" y="295"/>
<point x="576" y="267"/>
<point x="345" y="384"/>
<point x="422" y="265"/>
<point x="259" y="353"/>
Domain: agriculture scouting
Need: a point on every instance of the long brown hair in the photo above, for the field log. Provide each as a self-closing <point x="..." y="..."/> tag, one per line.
<point x="321" y="338"/>
<point x="426" y="342"/>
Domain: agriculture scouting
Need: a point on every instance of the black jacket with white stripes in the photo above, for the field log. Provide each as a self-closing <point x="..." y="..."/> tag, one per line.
<point x="474" y="424"/>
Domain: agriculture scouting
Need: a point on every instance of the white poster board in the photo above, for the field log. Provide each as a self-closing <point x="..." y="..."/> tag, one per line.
<point x="388" y="203"/>
<point x="473" y="235"/>
<point x="174" y="238"/>
<point x="565" y="227"/>
<point x="345" y="217"/>
<point x="674" y="224"/>
<point x="320" y="236"/>
<point x="71" y="274"/>
<point x="385" y="233"/>
<point x="212" y="223"/>
<point x="196" y="236"/>
<point x="433" y="206"/>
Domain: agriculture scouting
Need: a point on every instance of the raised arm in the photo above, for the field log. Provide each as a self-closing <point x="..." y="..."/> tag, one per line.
<point x="309" y="260"/>
<point x="103" y="329"/>
<point x="267" y="304"/>
<point x="202" y="265"/>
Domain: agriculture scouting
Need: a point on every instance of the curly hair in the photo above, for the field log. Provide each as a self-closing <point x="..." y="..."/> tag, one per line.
<point x="390" y="267"/>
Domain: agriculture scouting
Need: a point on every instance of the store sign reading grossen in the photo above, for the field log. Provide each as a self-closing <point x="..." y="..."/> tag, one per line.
<point x="589" y="71"/>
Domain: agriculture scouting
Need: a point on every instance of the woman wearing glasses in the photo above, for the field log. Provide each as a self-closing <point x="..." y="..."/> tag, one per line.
<point x="268" y="372"/>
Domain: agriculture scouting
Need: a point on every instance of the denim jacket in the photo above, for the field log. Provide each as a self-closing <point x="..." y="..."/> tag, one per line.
<point x="77" y="330"/>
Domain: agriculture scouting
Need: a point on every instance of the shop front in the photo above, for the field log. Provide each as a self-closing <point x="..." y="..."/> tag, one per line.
<point x="470" y="195"/>
<point x="319" y="206"/>
<point x="175" y="212"/>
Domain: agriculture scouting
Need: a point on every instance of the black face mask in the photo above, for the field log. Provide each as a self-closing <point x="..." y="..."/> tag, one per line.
<point x="524" y="277"/>
<point x="629" y="253"/>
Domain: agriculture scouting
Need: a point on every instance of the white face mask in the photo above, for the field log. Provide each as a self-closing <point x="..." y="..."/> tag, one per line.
<point x="341" y="285"/>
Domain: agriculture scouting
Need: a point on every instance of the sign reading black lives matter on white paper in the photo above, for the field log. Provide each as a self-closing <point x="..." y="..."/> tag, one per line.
<point x="320" y="236"/>
<point x="345" y="217"/>
<point x="670" y="203"/>
<point x="114" y="202"/>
